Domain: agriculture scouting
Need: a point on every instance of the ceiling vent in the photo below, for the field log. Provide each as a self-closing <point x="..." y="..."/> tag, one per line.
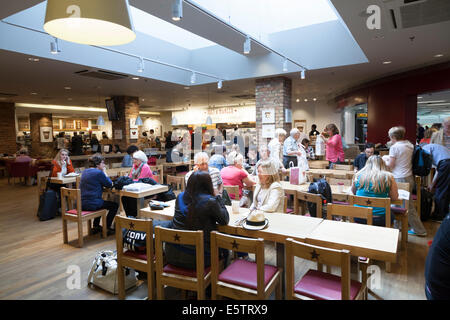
<point x="418" y="13"/>
<point x="245" y="96"/>
<point x="101" y="74"/>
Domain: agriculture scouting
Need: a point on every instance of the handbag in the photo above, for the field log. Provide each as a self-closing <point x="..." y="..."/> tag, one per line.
<point x="297" y="175"/>
<point x="48" y="202"/>
<point x="103" y="273"/>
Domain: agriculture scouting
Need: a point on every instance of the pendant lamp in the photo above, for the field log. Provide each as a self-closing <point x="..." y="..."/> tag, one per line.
<point x="174" y="121"/>
<point x="209" y="120"/>
<point x="138" y="121"/>
<point x="99" y="22"/>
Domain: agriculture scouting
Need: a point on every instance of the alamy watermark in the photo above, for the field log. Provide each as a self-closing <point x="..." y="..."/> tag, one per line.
<point x="373" y="22"/>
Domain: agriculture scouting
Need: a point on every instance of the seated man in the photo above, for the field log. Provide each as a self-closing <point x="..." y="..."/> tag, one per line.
<point x="360" y="160"/>
<point x="201" y="164"/>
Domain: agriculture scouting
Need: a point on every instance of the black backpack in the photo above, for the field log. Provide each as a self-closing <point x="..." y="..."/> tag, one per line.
<point x="421" y="162"/>
<point x="321" y="187"/>
<point x="426" y="203"/>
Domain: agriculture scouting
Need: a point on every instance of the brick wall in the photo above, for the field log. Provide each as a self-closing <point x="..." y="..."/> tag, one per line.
<point x="38" y="148"/>
<point x="128" y="107"/>
<point x="7" y="128"/>
<point x="273" y="93"/>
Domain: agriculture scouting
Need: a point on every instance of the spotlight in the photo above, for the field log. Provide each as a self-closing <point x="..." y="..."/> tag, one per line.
<point x="177" y="10"/>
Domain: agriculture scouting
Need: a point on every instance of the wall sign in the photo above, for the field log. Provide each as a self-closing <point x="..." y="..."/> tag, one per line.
<point x="46" y="134"/>
<point x="268" y="115"/>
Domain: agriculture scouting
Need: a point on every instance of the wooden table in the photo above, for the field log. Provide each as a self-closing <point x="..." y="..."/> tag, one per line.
<point x="111" y="173"/>
<point x="141" y="195"/>
<point x="374" y="242"/>
<point x="332" y="172"/>
<point x="318" y="164"/>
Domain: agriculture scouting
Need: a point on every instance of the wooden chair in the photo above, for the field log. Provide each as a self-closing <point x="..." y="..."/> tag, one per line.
<point x="305" y="197"/>
<point x="194" y="280"/>
<point x="337" y="175"/>
<point x="232" y="190"/>
<point x="141" y="261"/>
<point x="71" y="211"/>
<point x="316" y="284"/>
<point x="160" y="172"/>
<point x="401" y="213"/>
<point x="177" y="181"/>
<point x="243" y="279"/>
<point x="347" y="167"/>
<point x="283" y="175"/>
<point x="334" y="181"/>
<point x="350" y="212"/>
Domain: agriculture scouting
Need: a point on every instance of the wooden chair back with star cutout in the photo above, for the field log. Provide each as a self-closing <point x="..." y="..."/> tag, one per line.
<point x="350" y="212"/>
<point x="373" y="202"/>
<point x="186" y="279"/>
<point x="138" y="260"/>
<point x="242" y="285"/>
<point x="316" y="284"/>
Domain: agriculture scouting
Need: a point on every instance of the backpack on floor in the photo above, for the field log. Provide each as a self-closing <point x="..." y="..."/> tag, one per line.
<point x="426" y="204"/>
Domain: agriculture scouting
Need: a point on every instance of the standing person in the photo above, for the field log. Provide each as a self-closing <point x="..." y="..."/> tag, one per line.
<point x="314" y="131"/>
<point x="269" y="194"/>
<point x="94" y="143"/>
<point x="60" y="141"/>
<point x="437" y="264"/>
<point x="197" y="209"/>
<point x="360" y="160"/>
<point x="201" y="164"/>
<point x="291" y="149"/>
<point x="426" y="137"/>
<point x="276" y="144"/>
<point x="334" y="151"/>
<point x="308" y="149"/>
<point x="168" y="146"/>
<point x="443" y="135"/>
<point x="400" y="163"/>
<point x="302" y="159"/>
<point x="440" y="185"/>
<point x="374" y="180"/>
<point x="77" y="144"/>
<point x="104" y="136"/>
<point x="93" y="180"/>
<point x="234" y="174"/>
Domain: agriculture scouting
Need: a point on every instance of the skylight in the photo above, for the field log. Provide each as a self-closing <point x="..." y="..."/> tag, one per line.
<point x="260" y="18"/>
<point x="158" y="28"/>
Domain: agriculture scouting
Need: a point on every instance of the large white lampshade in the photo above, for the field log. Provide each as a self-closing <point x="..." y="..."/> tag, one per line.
<point x="92" y="22"/>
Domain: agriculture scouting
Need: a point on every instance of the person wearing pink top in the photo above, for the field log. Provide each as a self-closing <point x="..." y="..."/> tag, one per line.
<point x="334" y="150"/>
<point x="140" y="170"/>
<point x="234" y="174"/>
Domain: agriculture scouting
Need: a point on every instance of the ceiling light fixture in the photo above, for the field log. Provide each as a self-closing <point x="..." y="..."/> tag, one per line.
<point x="306" y="100"/>
<point x="247" y="45"/>
<point x="208" y="120"/>
<point x="439" y="55"/>
<point x="100" y="22"/>
<point x="177" y="10"/>
<point x="314" y="99"/>
<point x="219" y="84"/>
<point x="100" y="121"/>
<point x="141" y="66"/>
<point x="387" y="62"/>
<point x="135" y="78"/>
<point x="138" y="121"/>
<point x="285" y="68"/>
<point x="174" y="121"/>
<point x="302" y="74"/>
<point x="193" y="77"/>
<point x="67" y="88"/>
<point x="33" y="59"/>
<point x="54" y="47"/>
<point x="298" y="100"/>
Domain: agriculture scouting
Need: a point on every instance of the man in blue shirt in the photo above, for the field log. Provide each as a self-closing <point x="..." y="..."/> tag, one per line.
<point x="441" y="160"/>
<point x="360" y="160"/>
<point x="93" y="180"/>
<point x="291" y="149"/>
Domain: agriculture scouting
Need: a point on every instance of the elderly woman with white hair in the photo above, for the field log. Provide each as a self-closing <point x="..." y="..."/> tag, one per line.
<point x="276" y="144"/>
<point x="268" y="195"/>
<point x="234" y="174"/>
<point x="291" y="149"/>
<point x="265" y="154"/>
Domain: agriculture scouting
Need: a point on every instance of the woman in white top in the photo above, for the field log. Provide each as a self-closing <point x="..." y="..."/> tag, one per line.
<point x="265" y="154"/>
<point x="400" y="163"/>
<point x="302" y="159"/>
<point x="276" y="144"/>
<point x="268" y="195"/>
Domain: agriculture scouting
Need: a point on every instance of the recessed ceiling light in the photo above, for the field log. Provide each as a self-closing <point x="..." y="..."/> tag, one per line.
<point x="135" y="78"/>
<point x="315" y="99"/>
<point x="306" y="100"/>
<point x="34" y="93"/>
<point x="298" y="100"/>
<point x="33" y="59"/>
<point x="70" y="99"/>
<point x="419" y="97"/>
<point x="67" y="88"/>
<point x="186" y="88"/>
<point x="387" y="62"/>
<point x="439" y="55"/>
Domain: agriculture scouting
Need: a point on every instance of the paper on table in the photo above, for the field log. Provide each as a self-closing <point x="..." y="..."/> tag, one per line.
<point x="72" y="174"/>
<point x="138" y="187"/>
<point x="403" y="194"/>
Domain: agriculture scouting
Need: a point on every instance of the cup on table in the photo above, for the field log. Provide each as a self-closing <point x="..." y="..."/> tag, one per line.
<point x="59" y="175"/>
<point x="340" y="187"/>
<point x="235" y="207"/>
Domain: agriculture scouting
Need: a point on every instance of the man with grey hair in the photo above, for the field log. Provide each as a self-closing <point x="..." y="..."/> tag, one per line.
<point x="443" y="135"/>
<point x="276" y="144"/>
<point x="201" y="163"/>
<point x="291" y="149"/>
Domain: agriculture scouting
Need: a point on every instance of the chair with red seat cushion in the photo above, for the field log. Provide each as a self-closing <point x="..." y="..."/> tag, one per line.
<point x="316" y="284"/>
<point x="18" y="170"/>
<point x="143" y="261"/>
<point x="71" y="211"/>
<point x="243" y="279"/>
<point x="186" y="279"/>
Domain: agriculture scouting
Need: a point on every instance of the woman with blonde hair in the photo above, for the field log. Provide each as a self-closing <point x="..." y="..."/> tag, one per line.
<point x="268" y="195"/>
<point x="62" y="163"/>
<point x="374" y="180"/>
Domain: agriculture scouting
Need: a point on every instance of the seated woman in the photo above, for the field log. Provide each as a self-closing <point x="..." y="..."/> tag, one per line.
<point x="127" y="161"/>
<point x="268" y="195"/>
<point x="140" y="170"/>
<point x="196" y="209"/>
<point x="375" y="181"/>
<point x="234" y="174"/>
<point x="264" y="151"/>
<point x="62" y="163"/>
<point x="93" y="180"/>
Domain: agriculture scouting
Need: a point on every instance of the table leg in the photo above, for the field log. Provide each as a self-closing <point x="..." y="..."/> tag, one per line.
<point x="120" y="203"/>
<point x="281" y="264"/>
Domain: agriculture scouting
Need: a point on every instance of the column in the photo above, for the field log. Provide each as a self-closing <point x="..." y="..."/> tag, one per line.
<point x="273" y="93"/>
<point x="128" y="108"/>
<point x="42" y="145"/>
<point x="7" y="128"/>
